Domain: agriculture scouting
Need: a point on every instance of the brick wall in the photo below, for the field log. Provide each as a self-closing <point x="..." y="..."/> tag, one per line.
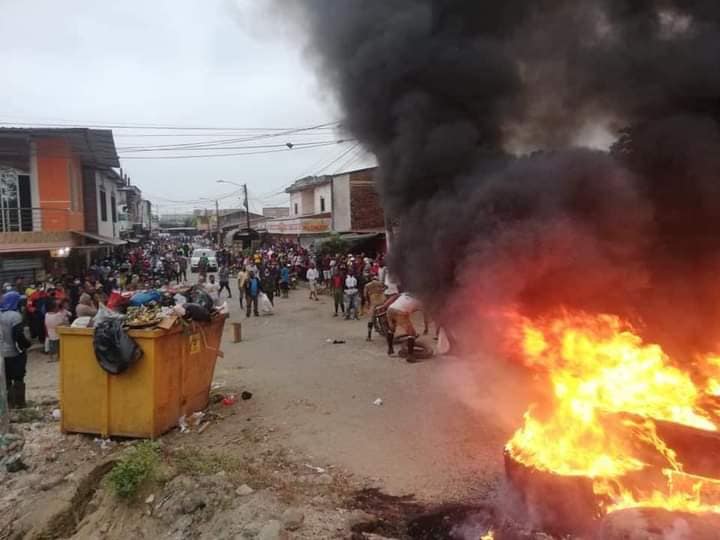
<point x="365" y="209"/>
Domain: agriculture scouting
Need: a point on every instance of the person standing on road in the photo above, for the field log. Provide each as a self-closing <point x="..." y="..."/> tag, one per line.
<point x="242" y="279"/>
<point x="213" y="289"/>
<point x="268" y="285"/>
<point x="253" y="288"/>
<point x="351" y="295"/>
<point x="56" y="316"/>
<point x="182" y="260"/>
<point x="374" y="297"/>
<point x="285" y="280"/>
<point x="337" y="282"/>
<point x="224" y="277"/>
<point x="13" y="347"/>
<point x="312" y="277"/>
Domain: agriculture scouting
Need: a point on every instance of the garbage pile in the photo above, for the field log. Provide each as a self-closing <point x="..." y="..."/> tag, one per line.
<point x="152" y="308"/>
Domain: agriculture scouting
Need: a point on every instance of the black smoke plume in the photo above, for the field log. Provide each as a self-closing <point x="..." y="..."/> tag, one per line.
<point x="476" y="111"/>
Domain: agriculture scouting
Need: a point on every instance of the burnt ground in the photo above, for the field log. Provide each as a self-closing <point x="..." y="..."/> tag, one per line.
<point x="427" y="463"/>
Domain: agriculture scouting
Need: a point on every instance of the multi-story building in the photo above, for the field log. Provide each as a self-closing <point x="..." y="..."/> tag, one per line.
<point x="55" y="189"/>
<point x="344" y="203"/>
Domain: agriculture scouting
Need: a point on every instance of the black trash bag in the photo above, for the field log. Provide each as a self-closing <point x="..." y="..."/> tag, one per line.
<point x="196" y="312"/>
<point x="198" y="296"/>
<point x="115" y="351"/>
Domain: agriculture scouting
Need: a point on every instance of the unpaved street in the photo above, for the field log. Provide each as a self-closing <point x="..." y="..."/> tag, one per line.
<point x="310" y="440"/>
<point x="436" y="435"/>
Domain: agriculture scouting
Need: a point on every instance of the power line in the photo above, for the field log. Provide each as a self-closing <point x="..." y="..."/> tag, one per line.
<point x="159" y="127"/>
<point x="191" y="156"/>
<point x="211" y="146"/>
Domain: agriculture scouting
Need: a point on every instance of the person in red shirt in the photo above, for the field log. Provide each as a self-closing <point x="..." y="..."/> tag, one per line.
<point x="338" y="284"/>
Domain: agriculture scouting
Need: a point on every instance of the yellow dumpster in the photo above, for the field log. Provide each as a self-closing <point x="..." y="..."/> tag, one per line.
<point x="172" y="379"/>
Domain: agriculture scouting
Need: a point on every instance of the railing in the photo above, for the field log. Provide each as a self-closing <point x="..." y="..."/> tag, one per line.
<point x="13" y="219"/>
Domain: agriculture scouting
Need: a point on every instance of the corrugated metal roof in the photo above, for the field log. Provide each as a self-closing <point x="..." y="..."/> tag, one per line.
<point x="307" y="182"/>
<point x="93" y="146"/>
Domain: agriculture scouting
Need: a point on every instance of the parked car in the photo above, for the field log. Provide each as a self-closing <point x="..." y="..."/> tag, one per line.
<point x="195" y="259"/>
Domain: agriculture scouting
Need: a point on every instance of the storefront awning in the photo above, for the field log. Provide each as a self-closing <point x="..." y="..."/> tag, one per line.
<point x="100" y="239"/>
<point x="31" y="247"/>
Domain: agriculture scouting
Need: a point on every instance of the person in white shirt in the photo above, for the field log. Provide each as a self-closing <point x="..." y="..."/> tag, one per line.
<point x="213" y="289"/>
<point x="312" y="276"/>
<point x="398" y="315"/>
<point x="351" y="295"/>
<point x="55" y="316"/>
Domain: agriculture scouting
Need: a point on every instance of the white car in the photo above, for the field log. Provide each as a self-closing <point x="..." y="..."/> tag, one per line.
<point x="195" y="259"/>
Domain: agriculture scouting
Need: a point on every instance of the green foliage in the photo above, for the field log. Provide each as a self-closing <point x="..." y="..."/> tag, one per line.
<point x="137" y="466"/>
<point x="334" y="244"/>
<point x="194" y="462"/>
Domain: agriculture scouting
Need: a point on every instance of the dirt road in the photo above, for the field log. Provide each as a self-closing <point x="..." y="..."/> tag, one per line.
<point x="439" y="433"/>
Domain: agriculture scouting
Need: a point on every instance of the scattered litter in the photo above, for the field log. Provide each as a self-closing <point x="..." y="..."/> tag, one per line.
<point x="182" y="424"/>
<point x="229" y="400"/>
<point x="150" y="499"/>
<point x="203" y="427"/>
<point x="378" y="402"/>
<point x="318" y="470"/>
<point x="246" y="395"/>
<point x="104" y="444"/>
<point x="56" y="414"/>
<point x="217" y="385"/>
<point x="335" y="341"/>
<point x="195" y="418"/>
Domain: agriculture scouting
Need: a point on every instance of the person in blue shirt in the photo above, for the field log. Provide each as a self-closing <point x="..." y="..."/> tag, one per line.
<point x="253" y="288"/>
<point x="285" y="280"/>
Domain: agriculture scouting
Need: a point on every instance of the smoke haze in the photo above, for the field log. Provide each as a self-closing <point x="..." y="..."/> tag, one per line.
<point x="445" y="92"/>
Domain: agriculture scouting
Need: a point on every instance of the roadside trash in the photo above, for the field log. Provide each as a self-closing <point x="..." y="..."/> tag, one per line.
<point x="198" y="296"/>
<point x="150" y="499"/>
<point x="115" y="351"/>
<point x="223" y="309"/>
<point x="195" y="418"/>
<point x="246" y="395"/>
<point x="335" y="341"/>
<point x="182" y="424"/>
<point x="229" y="400"/>
<point x="104" y="444"/>
<point x="216" y="385"/>
<point x="56" y="414"/>
<point x="378" y="402"/>
<point x="318" y="470"/>
<point x="197" y="312"/>
<point x="264" y="304"/>
<point x="142" y="298"/>
<point x="203" y="427"/>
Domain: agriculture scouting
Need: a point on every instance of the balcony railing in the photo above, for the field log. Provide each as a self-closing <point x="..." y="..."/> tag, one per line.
<point x="32" y="219"/>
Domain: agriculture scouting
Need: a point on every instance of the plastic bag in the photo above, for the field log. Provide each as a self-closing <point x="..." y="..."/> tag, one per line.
<point x="264" y="304"/>
<point x="104" y="314"/>
<point x="198" y="296"/>
<point x="142" y="298"/>
<point x="196" y="312"/>
<point x="115" y="351"/>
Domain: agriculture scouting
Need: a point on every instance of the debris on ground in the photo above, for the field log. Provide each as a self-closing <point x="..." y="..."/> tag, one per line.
<point x="378" y="402"/>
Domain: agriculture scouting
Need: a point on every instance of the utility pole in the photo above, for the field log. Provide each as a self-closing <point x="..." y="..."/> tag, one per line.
<point x="217" y="223"/>
<point x="247" y="209"/>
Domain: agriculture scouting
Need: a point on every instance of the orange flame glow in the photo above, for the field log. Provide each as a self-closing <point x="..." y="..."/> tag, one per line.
<point x="608" y="390"/>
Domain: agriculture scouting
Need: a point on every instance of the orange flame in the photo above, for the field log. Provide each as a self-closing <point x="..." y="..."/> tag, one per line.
<point x="609" y="388"/>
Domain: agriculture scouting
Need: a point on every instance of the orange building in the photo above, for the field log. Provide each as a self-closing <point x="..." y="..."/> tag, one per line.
<point x="42" y="177"/>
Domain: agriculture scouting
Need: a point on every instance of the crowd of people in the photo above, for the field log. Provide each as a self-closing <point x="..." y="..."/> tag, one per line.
<point x="359" y="285"/>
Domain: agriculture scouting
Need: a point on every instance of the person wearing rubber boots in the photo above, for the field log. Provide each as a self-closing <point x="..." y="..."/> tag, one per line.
<point x="13" y="347"/>
<point x="399" y="315"/>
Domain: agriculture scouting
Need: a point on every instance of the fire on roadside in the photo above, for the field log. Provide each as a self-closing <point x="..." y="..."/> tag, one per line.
<point x="610" y="391"/>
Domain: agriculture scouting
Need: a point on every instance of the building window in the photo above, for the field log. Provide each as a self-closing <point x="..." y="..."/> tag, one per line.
<point x="113" y="208"/>
<point x="322" y="204"/>
<point x="103" y="206"/>
<point x="296" y="209"/>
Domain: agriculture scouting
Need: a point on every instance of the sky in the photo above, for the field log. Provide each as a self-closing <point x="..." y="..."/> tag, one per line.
<point x="230" y="65"/>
